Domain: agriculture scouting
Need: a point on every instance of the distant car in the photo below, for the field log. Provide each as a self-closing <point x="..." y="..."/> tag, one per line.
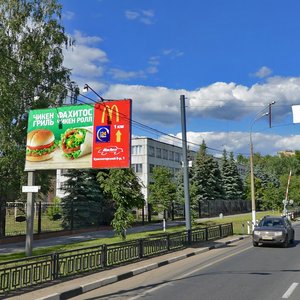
<point x="273" y="230"/>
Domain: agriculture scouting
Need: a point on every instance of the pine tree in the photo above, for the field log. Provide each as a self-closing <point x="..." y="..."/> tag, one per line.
<point x="84" y="204"/>
<point x="232" y="182"/>
<point x="206" y="180"/>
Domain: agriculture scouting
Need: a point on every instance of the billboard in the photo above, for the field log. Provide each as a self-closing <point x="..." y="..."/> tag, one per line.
<point x="66" y="137"/>
<point x="112" y="128"/>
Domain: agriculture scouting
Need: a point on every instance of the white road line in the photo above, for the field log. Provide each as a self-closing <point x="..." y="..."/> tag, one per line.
<point x="212" y="263"/>
<point x="290" y="290"/>
<point x="188" y="274"/>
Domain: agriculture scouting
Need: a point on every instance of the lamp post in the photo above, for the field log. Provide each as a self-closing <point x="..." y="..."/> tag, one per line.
<point x="86" y="88"/>
<point x="253" y="205"/>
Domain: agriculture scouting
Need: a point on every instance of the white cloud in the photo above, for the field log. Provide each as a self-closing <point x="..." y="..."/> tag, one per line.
<point x="82" y="39"/>
<point x="223" y="101"/>
<point x="143" y="16"/>
<point x="125" y="75"/>
<point x="68" y="15"/>
<point x="263" y="72"/>
<point x="172" y="53"/>
<point x="237" y="142"/>
<point x="86" y="60"/>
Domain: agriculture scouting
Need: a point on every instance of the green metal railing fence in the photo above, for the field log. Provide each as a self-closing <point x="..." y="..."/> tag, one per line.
<point x="27" y="272"/>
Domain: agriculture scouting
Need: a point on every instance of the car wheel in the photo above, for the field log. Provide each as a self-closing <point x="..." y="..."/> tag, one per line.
<point x="286" y="242"/>
<point x="255" y="244"/>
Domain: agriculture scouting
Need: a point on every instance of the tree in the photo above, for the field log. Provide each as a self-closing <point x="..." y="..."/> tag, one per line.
<point x="232" y="183"/>
<point x="206" y="180"/>
<point x="162" y="190"/>
<point x="84" y="204"/>
<point x="123" y="188"/>
<point x="31" y="76"/>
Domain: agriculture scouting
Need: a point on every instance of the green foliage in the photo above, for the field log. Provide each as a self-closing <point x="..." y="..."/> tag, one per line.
<point x="123" y="187"/>
<point x="54" y="211"/>
<point x="206" y="180"/>
<point x="31" y="76"/>
<point x="232" y="182"/>
<point x="84" y="204"/>
<point x="162" y="191"/>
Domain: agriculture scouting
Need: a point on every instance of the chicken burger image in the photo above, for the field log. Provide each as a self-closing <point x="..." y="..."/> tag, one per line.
<point x="76" y="142"/>
<point x="40" y="145"/>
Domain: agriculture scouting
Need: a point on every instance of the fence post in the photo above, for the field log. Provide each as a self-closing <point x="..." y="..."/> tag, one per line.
<point x="168" y="242"/>
<point x="220" y="230"/>
<point x="40" y="218"/>
<point x="72" y="215"/>
<point x="189" y="232"/>
<point x="2" y="218"/>
<point x="206" y="233"/>
<point x="141" y="248"/>
<point x="104" y="256"/>
<point x="231" y="228"/>
<point x="55" y="265"/>
<point x="149" y="212"/>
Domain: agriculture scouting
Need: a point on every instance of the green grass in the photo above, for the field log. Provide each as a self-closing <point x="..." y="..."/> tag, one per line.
<point x="237" y="221"/>
<point x="12" y="227"/>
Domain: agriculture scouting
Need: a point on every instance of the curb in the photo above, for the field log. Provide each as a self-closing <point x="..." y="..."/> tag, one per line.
<point x="112" y="279"/>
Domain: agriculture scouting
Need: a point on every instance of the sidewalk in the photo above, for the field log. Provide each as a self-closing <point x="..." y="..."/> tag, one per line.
<point x="63" y="240"/>
<point x="75" y="238"/>
<point x="78" y="286"/>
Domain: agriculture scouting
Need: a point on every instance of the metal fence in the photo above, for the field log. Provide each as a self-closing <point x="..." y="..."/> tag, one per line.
<point x="27" y="272"/>
<point x="212" y="208"/>
<point x="48" y="217"/>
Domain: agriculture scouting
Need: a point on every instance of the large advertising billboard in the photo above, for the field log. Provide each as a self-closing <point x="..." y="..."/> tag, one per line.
<point x="80" y="136"/>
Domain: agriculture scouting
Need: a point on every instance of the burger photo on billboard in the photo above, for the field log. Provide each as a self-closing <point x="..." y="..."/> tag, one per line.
<point x="40" y="145"/>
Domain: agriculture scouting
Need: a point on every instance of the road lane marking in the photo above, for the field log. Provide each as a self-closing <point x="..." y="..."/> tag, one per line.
<point x="290" y="290"/>
<point x="212" y="263"/>
<point x="187" y="274"/>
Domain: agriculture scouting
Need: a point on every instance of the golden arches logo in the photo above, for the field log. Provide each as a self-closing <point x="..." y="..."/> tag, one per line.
<point x="109" y="111"/>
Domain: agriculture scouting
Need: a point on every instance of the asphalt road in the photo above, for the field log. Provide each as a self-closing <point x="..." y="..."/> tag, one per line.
<point x="238" y="271"/>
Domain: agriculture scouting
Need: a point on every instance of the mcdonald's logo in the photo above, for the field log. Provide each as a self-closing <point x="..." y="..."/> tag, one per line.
<point x="108" y="111"/>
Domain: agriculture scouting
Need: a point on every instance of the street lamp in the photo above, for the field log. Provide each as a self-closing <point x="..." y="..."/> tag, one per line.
<point x="253" y="206"/>
<point x="86" y="88"/>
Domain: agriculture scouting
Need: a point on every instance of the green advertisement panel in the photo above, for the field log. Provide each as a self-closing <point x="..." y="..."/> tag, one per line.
<point x="60" y="138"/>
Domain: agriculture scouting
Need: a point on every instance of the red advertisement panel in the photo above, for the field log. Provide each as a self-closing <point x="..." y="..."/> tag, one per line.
<point x="112" y="134"/>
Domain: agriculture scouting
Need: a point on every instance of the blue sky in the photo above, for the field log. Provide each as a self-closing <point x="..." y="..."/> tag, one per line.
<point x="229" y="58"/>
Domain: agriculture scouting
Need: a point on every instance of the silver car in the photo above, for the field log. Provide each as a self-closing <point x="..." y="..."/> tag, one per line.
<point x="273" y="230"/>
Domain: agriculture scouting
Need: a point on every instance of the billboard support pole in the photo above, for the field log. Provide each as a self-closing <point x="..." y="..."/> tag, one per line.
<point x="29" y="217"/>
<point x="185" y="165"/>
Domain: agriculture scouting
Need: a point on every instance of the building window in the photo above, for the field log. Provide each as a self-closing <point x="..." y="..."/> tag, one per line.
<point x="158" y="152"/>
<point x="165" y="154"/>
<point x="177" y="157"/>
<point x="171" y="155"/>
<point x="151" y="151"/>
<point x="136" y="149"/>
<point x="137" y="168"/>
<point x="151" y="167"/>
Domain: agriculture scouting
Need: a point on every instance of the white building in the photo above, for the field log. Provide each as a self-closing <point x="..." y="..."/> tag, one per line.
<point x="146" y="153"/>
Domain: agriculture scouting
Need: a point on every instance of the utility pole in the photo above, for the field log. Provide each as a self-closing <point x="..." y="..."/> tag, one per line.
<point x="185" y="165"/>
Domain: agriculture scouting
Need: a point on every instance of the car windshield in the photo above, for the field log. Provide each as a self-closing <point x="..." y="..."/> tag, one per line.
<point x="271" y="223"/>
